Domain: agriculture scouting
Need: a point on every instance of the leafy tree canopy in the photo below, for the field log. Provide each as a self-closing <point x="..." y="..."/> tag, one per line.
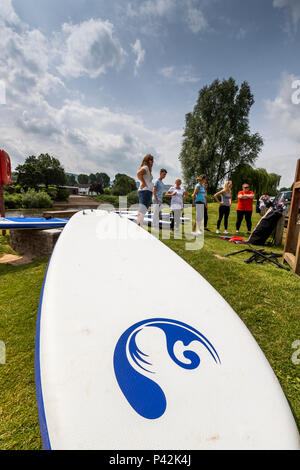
<point x="70" y="180"/>
<point x="259" y="179"/>
<point x="103" y="179"/>
<point x="83" y="179"/>
<point x="123" y="185"/>
<point x="40" y="170"/>
<point x="217" y="136"/>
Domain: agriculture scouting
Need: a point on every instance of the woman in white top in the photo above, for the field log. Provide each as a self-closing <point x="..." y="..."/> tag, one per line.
<point x="178" y="195"/>
<point x="146" y="187"/>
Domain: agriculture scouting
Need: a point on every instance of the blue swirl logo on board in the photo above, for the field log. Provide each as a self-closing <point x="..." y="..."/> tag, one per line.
<point x="130" y="363"/>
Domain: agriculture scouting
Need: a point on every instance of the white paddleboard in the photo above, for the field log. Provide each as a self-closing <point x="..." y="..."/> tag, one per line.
<point x="135" y="350"/>
<point x="148" y="221"/>
<point x="164" y="215"/>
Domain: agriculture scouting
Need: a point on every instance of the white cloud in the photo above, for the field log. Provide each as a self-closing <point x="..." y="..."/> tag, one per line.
<point x="140" y="54"/>
<point x="85" y="139"/>
<point x="88" y="139"/>
<point x="189" y="10"/>
<point x="157" y="7"/>
<point x="183" y="75"/>
<point x="7" y="12"/>
<point x="282" y="132"/>
<point x="195" y="17"/>
<point x="283" y="112"/>
<point x="241" y="33"/>
<point x="293" y="6"/>
<point x="90" y="49"/>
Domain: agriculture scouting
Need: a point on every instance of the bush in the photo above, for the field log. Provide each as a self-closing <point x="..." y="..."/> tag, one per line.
<point x="62" y="194"/>
<point x="188" y="199"/>
<point x="108" y="199"/>
<point x="9" y="189"/>
<point x="107" y="191"/>
<point x="132" y="198"/>
<point x="12" y="201"/>
<point x="210" y="198"/>
<point x="36" y="200"/>
<point x="52" y="192"/>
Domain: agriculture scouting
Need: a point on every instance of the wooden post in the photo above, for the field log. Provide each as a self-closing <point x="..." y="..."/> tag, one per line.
<point x="292" y="245"/>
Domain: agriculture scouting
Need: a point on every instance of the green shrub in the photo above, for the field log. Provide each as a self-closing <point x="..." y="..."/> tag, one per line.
<point x="107" y="191"/>
<point x="108" y="199"/>
<point x="210" y="198"/>
<point x="9" y="189"/>
<point x="52" y="192"/>
<point x="12" y="201"/>
<point x="188" y="199"/>
<point x="132" y="198"/>
<point x="37" y="200"/>
<point x="62" y="194"/>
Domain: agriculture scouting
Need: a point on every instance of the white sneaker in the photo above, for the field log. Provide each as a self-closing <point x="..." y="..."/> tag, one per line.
<point x="194" y="234"/>
<point x="218" y="231"/>
<point x="199" y="232"/>
<point x="226" y="232"/>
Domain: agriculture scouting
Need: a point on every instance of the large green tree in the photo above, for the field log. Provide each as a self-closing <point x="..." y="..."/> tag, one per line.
<point x="70" y="180"/>
<point x="42" y="170"/>
<point x="123" y="185"/>
<point x="259" y="179"/>
<point x="104" y="179"/>
<point x="83" y="179"/>
<point x="217" y="136"/>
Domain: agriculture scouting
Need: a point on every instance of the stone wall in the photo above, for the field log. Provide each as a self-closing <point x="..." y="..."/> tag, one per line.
<point x="34" y="243"/>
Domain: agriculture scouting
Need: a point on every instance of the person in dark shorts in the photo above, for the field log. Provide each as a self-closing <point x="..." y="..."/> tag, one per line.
<point x="145" y="190"/>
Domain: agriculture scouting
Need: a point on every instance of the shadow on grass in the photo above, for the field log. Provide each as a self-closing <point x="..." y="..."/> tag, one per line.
<point x="9" y="269"/>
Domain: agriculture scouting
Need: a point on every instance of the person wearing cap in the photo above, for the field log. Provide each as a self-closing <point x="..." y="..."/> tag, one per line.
<point x="245" y="207"/>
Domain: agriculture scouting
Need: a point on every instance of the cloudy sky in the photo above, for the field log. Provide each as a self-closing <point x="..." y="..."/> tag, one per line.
<point x="100" y="83"/>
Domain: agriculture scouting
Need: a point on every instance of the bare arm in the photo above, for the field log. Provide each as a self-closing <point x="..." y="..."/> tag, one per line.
<point x="170" y="193"/>
<point x="219" y="194"/>
<point x="140" y="175"/>
<point x="195" y="193"/>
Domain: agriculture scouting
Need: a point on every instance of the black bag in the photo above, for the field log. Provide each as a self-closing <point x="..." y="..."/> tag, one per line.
<point x="265" y="227"/>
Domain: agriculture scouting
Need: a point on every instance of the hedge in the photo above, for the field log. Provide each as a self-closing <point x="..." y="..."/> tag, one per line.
<point x="30" y="200"/>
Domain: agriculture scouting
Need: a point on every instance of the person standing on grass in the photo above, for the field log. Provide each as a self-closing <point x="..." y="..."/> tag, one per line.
<point x="206" y="212"/>
<point x="178" y="195"/>
<point x="145" y="190"/>
<point x="199" y="200"/>
<point x="157" y="198"/>
<point x="245" y="207"/>
<point x="264" y="204"/>
<point x="224" y="205"/>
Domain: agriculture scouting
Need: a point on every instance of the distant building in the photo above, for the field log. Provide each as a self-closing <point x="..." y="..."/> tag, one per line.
<point x="84" y="190"/>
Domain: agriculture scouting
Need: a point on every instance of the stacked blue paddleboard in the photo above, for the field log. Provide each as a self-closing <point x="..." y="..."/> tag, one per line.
<point x="9" y="223"/>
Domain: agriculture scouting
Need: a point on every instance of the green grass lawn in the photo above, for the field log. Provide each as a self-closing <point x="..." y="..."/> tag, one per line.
<point x="264" y="296"/>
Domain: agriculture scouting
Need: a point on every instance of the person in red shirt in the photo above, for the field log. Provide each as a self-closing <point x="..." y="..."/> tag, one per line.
<point x="245" y="207"/>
